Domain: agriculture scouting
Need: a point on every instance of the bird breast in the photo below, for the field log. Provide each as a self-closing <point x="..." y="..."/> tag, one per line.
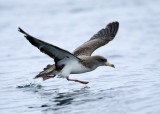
<point x="73" y="67"/>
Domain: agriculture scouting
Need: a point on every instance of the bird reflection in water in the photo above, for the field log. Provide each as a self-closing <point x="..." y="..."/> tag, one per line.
<point x="64" y="99"/>
<point x="68" y="98"/>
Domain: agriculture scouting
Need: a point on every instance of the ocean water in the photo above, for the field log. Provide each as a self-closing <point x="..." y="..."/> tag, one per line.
<point x="131" y="88"/>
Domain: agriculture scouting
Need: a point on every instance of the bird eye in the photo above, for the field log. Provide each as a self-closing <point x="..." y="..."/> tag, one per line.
<point x="102" y="59"/>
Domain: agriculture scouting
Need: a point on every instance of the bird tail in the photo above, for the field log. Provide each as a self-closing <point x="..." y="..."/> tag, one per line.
<point x="48" y="72"/>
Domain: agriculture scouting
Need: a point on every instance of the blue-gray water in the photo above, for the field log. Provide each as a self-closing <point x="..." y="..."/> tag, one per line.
<point x="131" y="88"/>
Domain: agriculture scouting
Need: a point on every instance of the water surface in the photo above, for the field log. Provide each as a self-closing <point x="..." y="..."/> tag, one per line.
<point x="131" y="88"/>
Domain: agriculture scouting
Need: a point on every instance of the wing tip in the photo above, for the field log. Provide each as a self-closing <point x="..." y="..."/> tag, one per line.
<point x="113" y="28"/>
<point x="113" y="23"/>
<point x="20" y="30"/>
<point x="23" y="32"/>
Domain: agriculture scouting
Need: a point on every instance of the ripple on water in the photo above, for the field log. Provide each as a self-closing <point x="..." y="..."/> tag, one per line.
<point x="30" y="85"/>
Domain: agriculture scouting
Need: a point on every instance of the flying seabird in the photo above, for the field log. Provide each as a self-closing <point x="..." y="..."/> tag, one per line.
<point x="80" y="61"/>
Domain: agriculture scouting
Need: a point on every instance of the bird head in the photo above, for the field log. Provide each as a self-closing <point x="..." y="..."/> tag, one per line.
<point x="102" y="61"/>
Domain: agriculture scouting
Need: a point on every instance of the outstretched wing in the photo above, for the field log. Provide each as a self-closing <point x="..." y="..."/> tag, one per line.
<point x="101" y="38"/>
<point x="53" y="51"/>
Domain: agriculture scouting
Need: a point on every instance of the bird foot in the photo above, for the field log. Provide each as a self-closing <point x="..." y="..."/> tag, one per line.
<point x="82" y="82"/>
<point x="48" y="77"/>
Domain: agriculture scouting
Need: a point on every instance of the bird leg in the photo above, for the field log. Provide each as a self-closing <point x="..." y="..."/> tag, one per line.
<point x="48" y="77"/>
<point x="83" y="82"/>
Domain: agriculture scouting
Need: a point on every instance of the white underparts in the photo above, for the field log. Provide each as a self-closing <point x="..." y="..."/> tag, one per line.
<point x="72" y="67"/>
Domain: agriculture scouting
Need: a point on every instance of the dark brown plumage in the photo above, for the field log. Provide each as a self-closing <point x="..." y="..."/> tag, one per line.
<point x="100" y="39"/>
